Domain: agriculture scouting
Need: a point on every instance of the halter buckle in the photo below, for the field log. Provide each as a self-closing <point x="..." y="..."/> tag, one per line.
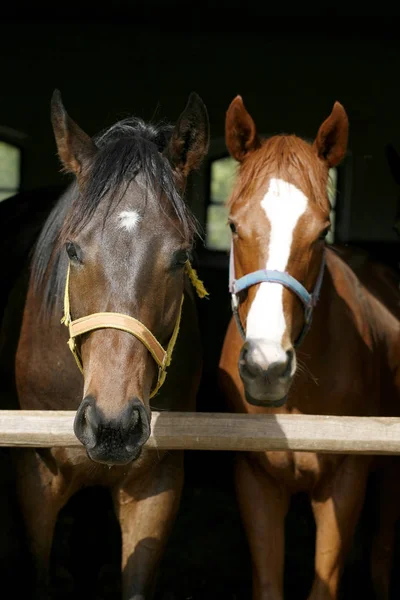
<point x="234" y="302"/>
<point x="308" y="310"/>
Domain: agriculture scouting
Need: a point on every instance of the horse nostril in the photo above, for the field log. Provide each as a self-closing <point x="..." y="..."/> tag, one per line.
<point x="90" y="417"/>
<point x="289" y="362"/>
<point x="244" y="353"/>
<point x="138" y="431"/>
<point x="247" y="366"/>
<point x="135" y="418"/>
<point x="129" y="418"/>
<point x="86" y="422"/>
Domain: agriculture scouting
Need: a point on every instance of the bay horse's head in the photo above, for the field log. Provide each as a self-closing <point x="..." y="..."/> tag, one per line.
<point x="279" y="217"/>
<point x="128" y="236"/>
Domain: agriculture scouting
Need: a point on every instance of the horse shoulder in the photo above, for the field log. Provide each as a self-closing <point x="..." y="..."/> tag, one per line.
<point x="368" y="310"/>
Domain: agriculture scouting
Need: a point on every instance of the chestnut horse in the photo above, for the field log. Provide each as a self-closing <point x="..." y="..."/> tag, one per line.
<point x="274" y="361"/>
<point x="116" y="248"/>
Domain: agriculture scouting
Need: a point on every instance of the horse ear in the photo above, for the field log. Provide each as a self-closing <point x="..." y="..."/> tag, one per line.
<point x="190" y="138"/>
<point x="75" y="147"/>
<point x="394" y="162"/>
<point x="240" y="130"/>
<point x="332" y="136"/>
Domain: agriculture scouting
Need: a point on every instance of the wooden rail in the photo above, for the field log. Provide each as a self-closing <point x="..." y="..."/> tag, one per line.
<point x="208" y="431"/>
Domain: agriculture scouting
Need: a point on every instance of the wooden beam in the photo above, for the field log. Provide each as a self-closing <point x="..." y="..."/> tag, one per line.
<point x="208" y="431"/>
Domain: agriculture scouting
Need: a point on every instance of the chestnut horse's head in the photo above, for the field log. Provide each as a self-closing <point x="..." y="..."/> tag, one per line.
<point x="279" y="217"/>
<point x="127" y="237"/>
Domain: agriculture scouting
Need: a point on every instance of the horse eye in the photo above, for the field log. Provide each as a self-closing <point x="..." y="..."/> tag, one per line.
<point x="180" y="258"/>
<point x="232" y="227"/>
<point x="324" y="233"/>
<point x="73" y="251"/>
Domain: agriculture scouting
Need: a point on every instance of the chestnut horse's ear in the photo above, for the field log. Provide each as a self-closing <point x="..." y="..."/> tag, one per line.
<point x="190" y="138"/>
<point x="332" y="136"/>
<point x="75" y="147"/>
<point x="240" y="130"/>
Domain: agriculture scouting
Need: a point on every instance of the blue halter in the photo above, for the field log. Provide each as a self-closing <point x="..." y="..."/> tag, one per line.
<point x="265" y="275"/>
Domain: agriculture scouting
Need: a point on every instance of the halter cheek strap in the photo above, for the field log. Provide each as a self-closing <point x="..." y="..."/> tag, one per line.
<point x="110" y="320"/>
<point x="308" y="300"/>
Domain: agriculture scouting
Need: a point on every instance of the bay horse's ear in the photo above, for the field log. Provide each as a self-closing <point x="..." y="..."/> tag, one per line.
<point x="75" y="147"/>
<point x="190" y="138"/>
<point x="240" y="130"/>
<point x="332" y="136"/>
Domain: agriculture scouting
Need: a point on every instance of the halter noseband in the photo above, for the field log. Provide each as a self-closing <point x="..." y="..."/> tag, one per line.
<point x="106" y="320"/>
<point x="269" y="276"/>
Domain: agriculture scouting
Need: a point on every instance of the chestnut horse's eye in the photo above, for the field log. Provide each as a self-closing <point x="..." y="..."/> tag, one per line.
<point x="324" y="233"/>
<point x="232" y="226"/>
<point x="73" y="251"/>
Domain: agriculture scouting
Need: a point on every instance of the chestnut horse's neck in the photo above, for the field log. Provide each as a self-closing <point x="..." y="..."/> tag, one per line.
<point x="350" y="306"/>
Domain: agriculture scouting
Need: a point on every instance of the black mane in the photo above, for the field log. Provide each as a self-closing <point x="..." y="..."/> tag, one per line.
<point x="127" y="149"/>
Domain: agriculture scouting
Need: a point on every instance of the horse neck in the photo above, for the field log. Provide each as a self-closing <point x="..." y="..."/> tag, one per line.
<point x="344" y="299"/>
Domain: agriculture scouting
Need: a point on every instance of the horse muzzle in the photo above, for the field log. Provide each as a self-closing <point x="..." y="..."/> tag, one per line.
<point x="112" y="441"/>
<point x="267" y="373"/>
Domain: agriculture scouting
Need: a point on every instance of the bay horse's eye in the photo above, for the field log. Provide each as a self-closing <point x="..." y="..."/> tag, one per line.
<point x="73" y="251"/>
<point x="232" y="227"/>
<point x="180" y="258"/>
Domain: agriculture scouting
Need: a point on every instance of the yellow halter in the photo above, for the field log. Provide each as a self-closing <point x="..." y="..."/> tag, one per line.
<point x="130" y="325"/>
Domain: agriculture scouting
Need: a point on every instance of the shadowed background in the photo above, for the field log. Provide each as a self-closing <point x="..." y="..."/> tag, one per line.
<point x="145" y="60"/>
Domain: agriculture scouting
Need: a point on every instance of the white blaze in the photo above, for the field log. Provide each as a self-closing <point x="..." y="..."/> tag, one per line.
<point x="283" y="205"/>
<point x="128" y="219"/>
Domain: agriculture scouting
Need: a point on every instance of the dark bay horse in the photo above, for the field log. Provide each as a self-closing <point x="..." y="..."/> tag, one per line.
<point x="113" y="257"/>
<point x="274" y="360"/>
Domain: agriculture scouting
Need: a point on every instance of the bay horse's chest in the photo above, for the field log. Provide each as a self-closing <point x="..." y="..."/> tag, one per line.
<point x="75" y="470"/>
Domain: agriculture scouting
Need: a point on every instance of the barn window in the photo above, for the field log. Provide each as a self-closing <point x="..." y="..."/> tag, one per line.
<point x="10" y="169"/>
<point x="222" y="177"/>
<point x="332" y="194"/>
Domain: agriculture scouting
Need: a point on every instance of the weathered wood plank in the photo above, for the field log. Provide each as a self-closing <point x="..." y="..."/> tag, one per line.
<point x="208" y="431"/>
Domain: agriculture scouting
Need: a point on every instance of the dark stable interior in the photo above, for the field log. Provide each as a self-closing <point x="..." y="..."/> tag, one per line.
<point x="113" y="66"/>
